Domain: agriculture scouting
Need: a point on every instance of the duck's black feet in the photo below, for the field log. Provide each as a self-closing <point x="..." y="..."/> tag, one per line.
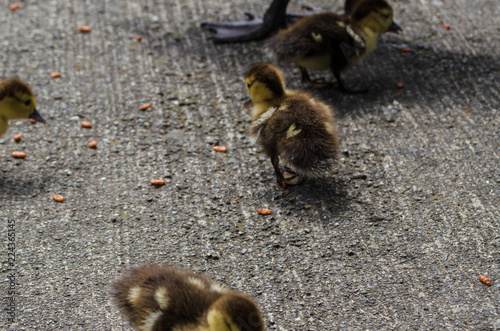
<point x="251" y="29"/>
<point x="239" y="31"/>
<point x="316" y="83"/>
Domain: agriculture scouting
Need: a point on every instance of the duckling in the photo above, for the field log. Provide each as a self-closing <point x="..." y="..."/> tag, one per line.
<point x="159" y="297"/>
<point x="291" y="126"/>
<point x="330" y="41"/>
<point x="17" y="101"/>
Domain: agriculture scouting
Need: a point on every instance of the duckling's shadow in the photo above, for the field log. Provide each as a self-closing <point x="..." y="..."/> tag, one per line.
<point x="14" y="188"/>
<point x="330" y="193"/>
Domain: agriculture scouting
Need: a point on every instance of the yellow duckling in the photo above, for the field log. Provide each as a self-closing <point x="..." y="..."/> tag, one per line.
<point x="290" y="126"/>
<point x="17" y="101"/>
<point x="330" y="41"/>
<point x="158" y="297"/>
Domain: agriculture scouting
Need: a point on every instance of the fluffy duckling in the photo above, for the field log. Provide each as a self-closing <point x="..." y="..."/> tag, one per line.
<point x="290" y="126"/>
<point x="158" y="297"/>
<point x="17" y="101"/>
<point x="330" y="41"/>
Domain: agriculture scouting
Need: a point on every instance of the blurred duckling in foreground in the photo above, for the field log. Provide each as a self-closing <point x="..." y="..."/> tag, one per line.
<point x="17" y="101"/>
<point x="330" y="41"/>
<point x="158" y="297"/>
<point x="291" y="126"/>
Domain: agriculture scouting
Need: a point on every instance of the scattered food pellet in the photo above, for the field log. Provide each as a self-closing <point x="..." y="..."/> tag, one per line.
<point x="19" y="155"/>
<point x="157" y="182"/>
<point x="264" y="211"/>
<point x="17" y="137"/>
<point x="466" y="111"/>
<point x="86" y="124"/>
<point x="58" y="198"/>
<point x="139" y="38"/>
<point x="400" y="85"/>
<point x="405" y="49"/>
<point x="14" y="6"/>
<point x="32" y="121"/>
<point x="447" y="26"/>
<point x="485" y="280"/>
<point x="55" y="75"/>
<point x="145" y="106"/>
<point x="220" y="148"/>
<point x="93" y="144"/>
<point x="84" y="28"/>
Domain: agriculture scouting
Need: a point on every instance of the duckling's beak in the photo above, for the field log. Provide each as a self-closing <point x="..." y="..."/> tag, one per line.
<point x="36" y="116"/>
<point x="394" y="28"/>
<point x="247" y="103"/>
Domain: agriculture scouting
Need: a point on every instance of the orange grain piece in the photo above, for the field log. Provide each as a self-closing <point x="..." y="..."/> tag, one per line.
<point x="447" y="26"/>
<point x="17" y="137"/>
<point x="220" y="149"/>
<point x="157" y="182"/>
<point x="264" y="211"/>
<point x="400" y="85"/>
<point x="86" y="124"/>
<point x="55" y="75"/>
<point x="14" y="6"/>
<point x="19" y="155"/>
<point x="84" y="28"/>
<point x="93" y="144"/>
<point x="405" y="49"/>
<point x="58" y="198"/>
<point x="145" y="106"/>
<point x="138" y="38"/>
<point x="32" y="121"/>
<point x="485" y="280"/>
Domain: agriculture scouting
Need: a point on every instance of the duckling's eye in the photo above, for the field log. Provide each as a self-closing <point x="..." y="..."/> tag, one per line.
<point x="27" y="102"/>
<point x="249" y="84"/>
<point x="385" y="15"/>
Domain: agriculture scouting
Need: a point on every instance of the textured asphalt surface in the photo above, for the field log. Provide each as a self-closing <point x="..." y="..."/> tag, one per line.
<point x="396" y="239"/>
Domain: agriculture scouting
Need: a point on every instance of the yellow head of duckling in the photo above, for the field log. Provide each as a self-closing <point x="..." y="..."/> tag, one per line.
<point x="264" y="83"/>
<point x="375" y="15"/>
<point x="17" y="101"/>
<point x="234" y="312"/>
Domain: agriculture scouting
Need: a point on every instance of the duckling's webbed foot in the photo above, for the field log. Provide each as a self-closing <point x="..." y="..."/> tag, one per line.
<point x="291" y="177"/>
<point x="343" y="86"/>
<point x="251" y="29"/>
<point x="275" y="160"/>
<point x="316" y="83"/>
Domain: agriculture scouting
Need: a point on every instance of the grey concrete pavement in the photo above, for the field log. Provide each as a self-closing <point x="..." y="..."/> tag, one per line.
<point x="396" y="239"/>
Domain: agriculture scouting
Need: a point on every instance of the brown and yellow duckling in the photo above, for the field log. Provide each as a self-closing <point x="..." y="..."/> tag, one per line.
<point x="163" y="298"/>
<point x="17" y="101"/>
<point x="292" y="127"/>
<point x="330" y="41"/>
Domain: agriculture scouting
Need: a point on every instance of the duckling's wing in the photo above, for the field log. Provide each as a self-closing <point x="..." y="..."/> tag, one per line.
<point x="313" y="35"/>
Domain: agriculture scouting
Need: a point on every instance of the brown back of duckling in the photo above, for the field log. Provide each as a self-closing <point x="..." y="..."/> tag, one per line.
<point x="314" y="36"/>
<point x="156" y="297"/>
<point x="302" y="131"/>
<point x="163" y="298"/>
